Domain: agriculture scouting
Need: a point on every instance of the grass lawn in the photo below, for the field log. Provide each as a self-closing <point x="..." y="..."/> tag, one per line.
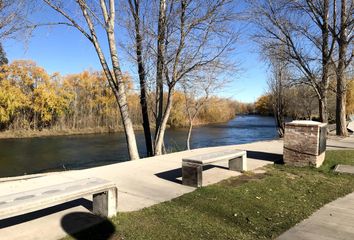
<point x="252" y="206"/>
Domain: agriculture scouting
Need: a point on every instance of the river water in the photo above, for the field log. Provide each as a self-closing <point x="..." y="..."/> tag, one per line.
<point x="35" y="155"/>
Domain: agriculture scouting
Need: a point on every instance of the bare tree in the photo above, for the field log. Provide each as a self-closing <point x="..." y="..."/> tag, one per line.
<point x="13" y="17"/>
<point x="196" y="93"/>
<point x="344" y="36"/>
<point x="277" y="84"/>
<point x="135" y="11"/>
<point x="197" y="34"/>
<point x="160" y="65"/>
<point x="301" y="30"/>
<point x="102" y="15"/>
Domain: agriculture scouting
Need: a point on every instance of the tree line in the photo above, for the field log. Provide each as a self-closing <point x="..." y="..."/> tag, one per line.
<point x="300" y="102"/>
<point x="31" y="99"/>
<point x="309" y="47"/>
<point x="187" y="46"/>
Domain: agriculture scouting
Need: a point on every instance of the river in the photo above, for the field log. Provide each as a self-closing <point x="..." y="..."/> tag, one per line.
<point x="35" y="155"/>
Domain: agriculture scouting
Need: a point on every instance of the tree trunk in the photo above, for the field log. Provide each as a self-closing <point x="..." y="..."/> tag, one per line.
<point x="325" y="63"/>
<point x="341" y="123"/>
<point x="142" y="77"/>
<point x="160" y="64"/>
<point x="341" y="126"/>
<point x="117" y="85"/>
<point x="188" y="142"/>
<point x="322" y="108"/>
<point x="159" y="138"/>
<point x="122" y="100"/>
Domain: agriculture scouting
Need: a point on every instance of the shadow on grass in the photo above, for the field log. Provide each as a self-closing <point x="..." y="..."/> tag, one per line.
<point x="82" y="226"/>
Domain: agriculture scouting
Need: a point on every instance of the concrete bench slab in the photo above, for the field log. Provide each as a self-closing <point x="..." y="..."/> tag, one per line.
<point x="192" y="167"/>
<point x="104" y="197"/>
<point x="341" y="168"/>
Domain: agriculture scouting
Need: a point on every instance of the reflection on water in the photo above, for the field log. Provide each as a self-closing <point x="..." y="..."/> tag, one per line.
<point x="25" y="156"/>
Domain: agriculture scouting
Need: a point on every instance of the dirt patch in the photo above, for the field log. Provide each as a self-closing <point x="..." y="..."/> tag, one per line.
<point x="244" y="178"/>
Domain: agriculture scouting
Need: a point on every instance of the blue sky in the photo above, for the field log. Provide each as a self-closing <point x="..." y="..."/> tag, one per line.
<point x="64" y="49"/>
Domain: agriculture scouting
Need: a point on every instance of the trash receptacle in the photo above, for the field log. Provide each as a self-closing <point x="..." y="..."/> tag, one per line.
<point x="305" y="143"/>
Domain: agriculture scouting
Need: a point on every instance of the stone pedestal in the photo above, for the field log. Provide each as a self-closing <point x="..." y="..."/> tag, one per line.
<point x="305" y="143"/>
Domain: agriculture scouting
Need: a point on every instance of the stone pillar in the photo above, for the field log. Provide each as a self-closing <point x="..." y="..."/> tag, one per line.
<point x="305" y="143"/>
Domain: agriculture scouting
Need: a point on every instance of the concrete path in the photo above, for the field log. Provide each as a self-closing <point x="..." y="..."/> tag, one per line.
<point x="141" y="183"/>
<point x="334" y="221"/>
<point x="337" y="143"/>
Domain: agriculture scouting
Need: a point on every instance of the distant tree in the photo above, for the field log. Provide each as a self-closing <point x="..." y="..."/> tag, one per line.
<point x="3" y="58"/>
<point x="264" y="106"/>
<point x="40" y="100"/>
<point x="277" y="85"/>
<point x="350" y="97"/>
<point x="196" y="94"/>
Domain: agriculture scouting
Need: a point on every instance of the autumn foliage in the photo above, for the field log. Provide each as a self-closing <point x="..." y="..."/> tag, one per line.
<point x="350" y="97"/>
<point x="31" y="99"/>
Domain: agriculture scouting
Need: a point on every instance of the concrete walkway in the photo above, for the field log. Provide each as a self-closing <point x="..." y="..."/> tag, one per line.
<point x="337" y="143"/>
<point x="334" y="221"/>
<point x="141" y="183"/>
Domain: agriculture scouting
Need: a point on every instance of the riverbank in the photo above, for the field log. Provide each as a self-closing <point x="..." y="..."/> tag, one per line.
<point x="14" y="134"/>
<point x="265" y="206"/>
<point x="17" y="134"/>
<point x="141" y="183"/>
<point x="73" y="152"/>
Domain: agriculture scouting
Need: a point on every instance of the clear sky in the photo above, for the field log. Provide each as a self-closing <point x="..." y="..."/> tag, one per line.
<point x="63" y="49"/>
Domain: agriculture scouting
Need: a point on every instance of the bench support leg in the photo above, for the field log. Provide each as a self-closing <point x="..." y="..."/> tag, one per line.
<point x="105" y="203"/>
<point x="192" y="174"/>
<point x="238" y="164"/>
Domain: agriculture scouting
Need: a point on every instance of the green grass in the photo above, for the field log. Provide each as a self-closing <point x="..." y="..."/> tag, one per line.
<point x="337" y="157"/>
<point x="251" y="206"/>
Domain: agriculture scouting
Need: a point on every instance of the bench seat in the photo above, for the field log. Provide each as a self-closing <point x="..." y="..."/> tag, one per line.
<point x="192" y="167"/>
<point x="104" y="197"/>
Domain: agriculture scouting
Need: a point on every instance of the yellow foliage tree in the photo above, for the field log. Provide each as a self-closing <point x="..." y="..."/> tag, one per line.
<point x="263" y="105"/>
<point x="12" y="100"/>
<point x="350" y="97"/>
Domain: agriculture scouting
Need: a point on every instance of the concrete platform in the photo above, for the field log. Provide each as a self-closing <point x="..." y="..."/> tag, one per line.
<point x="140" y="183"/>
<point x="341" y="168"/>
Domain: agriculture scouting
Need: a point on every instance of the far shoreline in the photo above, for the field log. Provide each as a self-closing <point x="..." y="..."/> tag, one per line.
<point x="25" y="134"/>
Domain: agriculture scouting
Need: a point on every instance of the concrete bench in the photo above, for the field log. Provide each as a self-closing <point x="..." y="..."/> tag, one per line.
<point x="104" y="197"/>
<point x="192" y="167"/>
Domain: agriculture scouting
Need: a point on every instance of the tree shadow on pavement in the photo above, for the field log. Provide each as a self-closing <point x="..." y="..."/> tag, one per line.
<point x="85" y="226"/>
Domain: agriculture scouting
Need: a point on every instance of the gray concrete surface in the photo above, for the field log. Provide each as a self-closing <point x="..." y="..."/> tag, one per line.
<point x="149" y="181"/>
<point x="334" y="221"/>
<point x="140" y="183"/>
<point x="342" y="168"/>
<point x="40" y="198"/>
<point x="339" y="143"/>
